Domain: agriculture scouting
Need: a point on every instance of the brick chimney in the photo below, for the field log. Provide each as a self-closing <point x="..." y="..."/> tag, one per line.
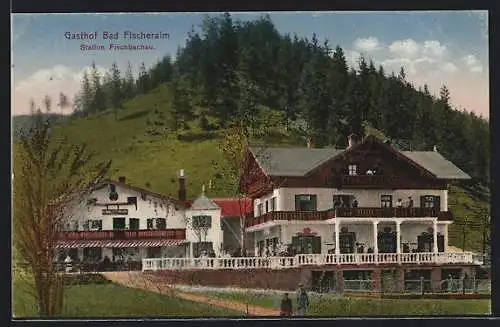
<point x="352" y="140"/>
<point x="182" y="186"/>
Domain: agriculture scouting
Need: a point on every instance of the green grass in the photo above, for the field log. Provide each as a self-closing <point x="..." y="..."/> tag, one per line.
<point x="153" y="161"/>
<point x="331" y="305"/>
<point x="112" y="300"/>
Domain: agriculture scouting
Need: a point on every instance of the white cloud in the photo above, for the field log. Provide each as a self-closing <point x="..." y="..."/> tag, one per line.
<point x="477" y="69"/>
<point x="404" y="48"/>
<point x="471" y="60"/>
<point x="449" y="67"/>
<point x="368" y="44"/>
<point x="50" y="81"/>
<point x="352" y="58"/>
<point x="434" y="48"/>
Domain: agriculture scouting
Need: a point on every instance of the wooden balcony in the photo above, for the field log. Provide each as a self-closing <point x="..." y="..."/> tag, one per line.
<point x="174" y="234"/>
<point x="350" y="213"/>
<point x="369" y="181"/>
<point x="393" y="212"/>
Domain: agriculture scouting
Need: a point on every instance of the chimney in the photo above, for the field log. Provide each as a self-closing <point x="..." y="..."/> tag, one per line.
<point x="352" y="140"/>
<point x="122" y="179"/>
<point x="182" y="186"/>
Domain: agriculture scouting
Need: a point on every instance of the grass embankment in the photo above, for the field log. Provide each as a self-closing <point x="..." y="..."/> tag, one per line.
<point x="331" y="305"/>
<point x="112" y="300"/>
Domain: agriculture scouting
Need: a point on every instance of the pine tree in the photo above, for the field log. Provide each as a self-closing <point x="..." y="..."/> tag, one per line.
<point x="99" y="97"/>
<point x="128" y="83"/>
<point x="116" y="89"/>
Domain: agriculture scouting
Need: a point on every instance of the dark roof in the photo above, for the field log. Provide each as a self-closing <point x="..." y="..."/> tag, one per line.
<point x="141" y="190"/>
<point x="204" y="203"/>
<point x="436" y="164"/>
<point x="299" y="161"/>
<point x="291" y="161"/>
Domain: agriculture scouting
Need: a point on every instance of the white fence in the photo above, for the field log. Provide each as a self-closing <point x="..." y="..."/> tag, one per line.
<point x="308" y="259"/>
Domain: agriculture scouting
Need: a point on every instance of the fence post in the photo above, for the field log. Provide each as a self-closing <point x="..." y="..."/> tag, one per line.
<point x="463" y="285"/>
<point x="422" y="285"/>
<point x="474" y="286"/>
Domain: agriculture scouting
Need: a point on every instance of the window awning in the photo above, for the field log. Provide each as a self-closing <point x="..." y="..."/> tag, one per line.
<point x="71" y="244"/>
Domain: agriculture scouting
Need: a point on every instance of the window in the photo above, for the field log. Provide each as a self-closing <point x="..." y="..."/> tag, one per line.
<point x="150" y="223"/>
<point x="133" y="223"/>
<point x="305" y="202"/>
<point x="260" y="209"/>
<point x="161" y="223"/>
<point x="95" y="224"/>
<point x="430" y="201"/>
<point x="86" y="225"/>
<point x="118" y="223"/>
<point x="386" y="201"/>
<point x="273" y="204"/>
<point x="267" y="206"/>
<point x="202" y="221"/>
<point x="353" y="170"/>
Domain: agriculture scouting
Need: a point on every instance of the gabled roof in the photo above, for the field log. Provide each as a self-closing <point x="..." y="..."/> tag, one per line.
<point x="291" y="161"/>
<point x="139" y="189"/>
<point x="204" y="203"/>
<point x="300" y="161"/>
<point x="436" y="164"/>
<point x="234" y="207"/>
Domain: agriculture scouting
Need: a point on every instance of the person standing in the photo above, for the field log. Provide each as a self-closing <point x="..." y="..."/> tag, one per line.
<point x="302" y="301"/>
<point x="286" y="308"/>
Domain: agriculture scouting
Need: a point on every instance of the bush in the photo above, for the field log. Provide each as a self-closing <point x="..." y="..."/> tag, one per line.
<point x="85" y="279"/>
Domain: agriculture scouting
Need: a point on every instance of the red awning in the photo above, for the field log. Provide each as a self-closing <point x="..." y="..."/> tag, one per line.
<point x="116" y="243"/>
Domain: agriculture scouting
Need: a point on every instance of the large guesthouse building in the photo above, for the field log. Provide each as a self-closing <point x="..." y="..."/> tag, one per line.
<point x="360" y="211"/>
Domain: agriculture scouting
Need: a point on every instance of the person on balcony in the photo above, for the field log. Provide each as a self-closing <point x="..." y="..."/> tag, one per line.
<point x="302" y="301"/>
<point x="369" y="172"/>
<point x="355" y="203"/>
<point x="410" y="202"/>
<point x="399" y="203"/>
<point x="286" y="306"/>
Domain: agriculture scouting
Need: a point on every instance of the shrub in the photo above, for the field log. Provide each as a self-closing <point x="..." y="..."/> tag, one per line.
<point x="85" y="279"/>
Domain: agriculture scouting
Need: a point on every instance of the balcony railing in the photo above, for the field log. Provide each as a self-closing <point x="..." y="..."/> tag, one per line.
<point x="367" y="181"/>
<point x="349" y="213"/>
<point x="299" y="260"/>
<point x="175" y="234"/>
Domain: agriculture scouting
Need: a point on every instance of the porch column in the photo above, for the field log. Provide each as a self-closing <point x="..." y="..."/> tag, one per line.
<point x="398" y="237"/>
<point x="375" y="237"/>
<point x="434" y="230"/>
<point x="445" y="237"/>
<point x="337" y="236"/>
<point x="191" y="250"/>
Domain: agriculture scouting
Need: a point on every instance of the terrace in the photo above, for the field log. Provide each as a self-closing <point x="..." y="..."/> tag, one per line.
<point x="301" y="260"/>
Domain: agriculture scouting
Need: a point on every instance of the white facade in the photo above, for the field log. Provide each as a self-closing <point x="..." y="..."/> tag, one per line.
<point x="285" y="197"/>
<point x="213" y="234"/>
<point x="148" y="206"/>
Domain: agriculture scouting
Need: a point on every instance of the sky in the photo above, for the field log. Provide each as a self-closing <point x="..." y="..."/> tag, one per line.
<point x="436" y="47"/>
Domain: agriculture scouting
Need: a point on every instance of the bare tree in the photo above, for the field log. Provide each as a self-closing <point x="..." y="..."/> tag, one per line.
<point x="63" y="102"/>
<point x="47" y="102"/>
<point x="50" y="176"/>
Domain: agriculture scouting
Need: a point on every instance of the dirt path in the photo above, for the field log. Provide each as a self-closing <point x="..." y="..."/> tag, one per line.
<point x="141" y="281"/>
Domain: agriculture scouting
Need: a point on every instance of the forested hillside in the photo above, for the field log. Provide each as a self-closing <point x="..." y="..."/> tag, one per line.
<point x="246" y="73"/>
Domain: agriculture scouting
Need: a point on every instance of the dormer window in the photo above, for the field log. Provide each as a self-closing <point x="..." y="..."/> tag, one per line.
<point x="353" y="170"/>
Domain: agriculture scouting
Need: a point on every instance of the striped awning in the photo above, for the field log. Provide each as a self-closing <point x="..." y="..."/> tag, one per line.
<point x="71" y="244"/>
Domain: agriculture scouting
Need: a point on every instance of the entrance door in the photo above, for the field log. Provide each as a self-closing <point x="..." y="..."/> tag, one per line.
<point x="347" y="242"/>
<point x="425" y="242"/>
<point x="387" y="242"/>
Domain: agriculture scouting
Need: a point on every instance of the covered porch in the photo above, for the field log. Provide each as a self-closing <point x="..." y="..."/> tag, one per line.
<point x="349" y="236"/>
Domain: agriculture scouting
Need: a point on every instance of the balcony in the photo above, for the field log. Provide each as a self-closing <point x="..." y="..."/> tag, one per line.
<point x="369" y="181"/>
<point x="174" y="234"/>
<point x="300" y="260"/>
<point x="350" y="213"/>
<point x="393" y="213"/>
